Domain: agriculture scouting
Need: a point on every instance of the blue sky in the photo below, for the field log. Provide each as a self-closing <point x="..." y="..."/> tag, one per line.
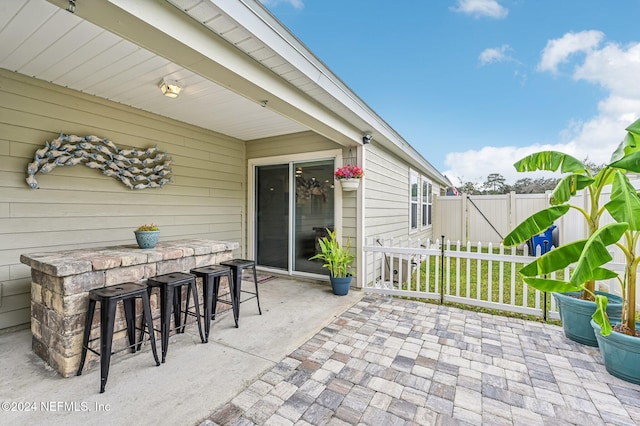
<point x="475" y="85"/>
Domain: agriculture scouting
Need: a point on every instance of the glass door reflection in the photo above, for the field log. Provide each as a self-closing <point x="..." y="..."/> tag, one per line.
<point x="313" y="212"/>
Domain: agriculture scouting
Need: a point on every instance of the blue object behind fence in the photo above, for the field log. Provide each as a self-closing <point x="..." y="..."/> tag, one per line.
<point x="539" y="241"/>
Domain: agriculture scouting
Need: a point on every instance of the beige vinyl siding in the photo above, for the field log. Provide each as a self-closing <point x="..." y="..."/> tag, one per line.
<point x="296" y="143"/>
<point x="78" y="207"/>
<point x="387" y="195"/>
<point x="387" y="203"/>
<point x="387" y="200"/>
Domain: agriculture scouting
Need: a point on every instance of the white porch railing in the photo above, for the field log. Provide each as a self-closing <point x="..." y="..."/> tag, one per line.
<point x="478" y="275"/>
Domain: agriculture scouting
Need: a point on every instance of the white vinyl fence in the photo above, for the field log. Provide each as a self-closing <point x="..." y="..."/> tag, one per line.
<point x="477" y="275"/>
<point x="490" y="218"/>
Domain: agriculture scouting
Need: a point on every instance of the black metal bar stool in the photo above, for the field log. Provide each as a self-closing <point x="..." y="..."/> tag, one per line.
<point x="237" y="266"/>
<point x="108" y="298"/>
<point x="170" y="286"/>
<point x="210" y="289"/>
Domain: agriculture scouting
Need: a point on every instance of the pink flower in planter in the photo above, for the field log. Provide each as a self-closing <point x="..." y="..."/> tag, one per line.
<point x="349" y="172"/>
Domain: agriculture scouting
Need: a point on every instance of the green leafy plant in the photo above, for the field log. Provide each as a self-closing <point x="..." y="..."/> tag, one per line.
<point x="147" y="228"/>
<point x="589" y="255"/>
<point x="337" y="259"/>
<point x="579" y="177"/>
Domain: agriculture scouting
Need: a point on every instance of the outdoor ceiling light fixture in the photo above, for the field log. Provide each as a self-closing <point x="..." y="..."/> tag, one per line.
<point x="169" y="88"/>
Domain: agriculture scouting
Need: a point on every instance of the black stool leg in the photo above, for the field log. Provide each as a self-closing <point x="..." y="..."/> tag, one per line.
<point x="214" y="302"/>
<point x="192" y="286"/>
<point x="165" y="320"/>
<point x="236" y="292"/>
<point x="87" y="332"/>
<point x="146" y="321"/>
<point x="130" y="317"/>
<point x="107" y="319"/>
<point x="255" y="282"/>
<point x="177" y="303"/>
<point x="207" y="292"/>
<point x="146" y="318"/>
<point x="186" y="306"/>
<point x="234" y="305"/>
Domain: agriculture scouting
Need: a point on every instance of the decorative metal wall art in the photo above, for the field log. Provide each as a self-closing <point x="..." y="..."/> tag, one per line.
<point x="137" y="168"/>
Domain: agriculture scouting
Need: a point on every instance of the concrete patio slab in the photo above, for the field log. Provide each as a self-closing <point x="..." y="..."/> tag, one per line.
<point x="196" y="378"/>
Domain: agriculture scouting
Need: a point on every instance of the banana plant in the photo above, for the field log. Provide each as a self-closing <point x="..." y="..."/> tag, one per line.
<point x="337" y="259"/>
<point x="626" y="157"/>
<point x="624" y="207"/>
<point x="588" y="257"/>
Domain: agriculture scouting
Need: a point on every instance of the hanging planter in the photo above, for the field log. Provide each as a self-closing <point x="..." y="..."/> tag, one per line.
<point x="349" y="177"/>
<point x="350" y="184"/>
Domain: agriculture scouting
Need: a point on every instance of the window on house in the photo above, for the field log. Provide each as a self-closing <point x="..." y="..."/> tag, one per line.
<point x="427" y="201"/>
<point x="414" y="201"/>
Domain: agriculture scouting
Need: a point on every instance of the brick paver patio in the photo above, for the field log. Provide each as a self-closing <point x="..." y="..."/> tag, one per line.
<point x="388" y="361"/>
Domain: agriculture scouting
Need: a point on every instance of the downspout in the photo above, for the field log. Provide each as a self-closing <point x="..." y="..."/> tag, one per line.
<point x="360" y="219"/>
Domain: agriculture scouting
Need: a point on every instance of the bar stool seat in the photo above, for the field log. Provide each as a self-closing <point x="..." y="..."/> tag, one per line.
<point x="210" y="289"/>
<point x="108" y="297"/>
<point x="237" y="266"/>
<point x="170" y="286"/>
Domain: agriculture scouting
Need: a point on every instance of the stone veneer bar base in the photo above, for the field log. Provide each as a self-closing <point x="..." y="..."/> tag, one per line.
<point x="61" y="282"/>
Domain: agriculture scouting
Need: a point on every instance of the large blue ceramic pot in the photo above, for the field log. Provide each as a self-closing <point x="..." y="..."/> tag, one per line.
<point x="576" y="313"/>
<point x="340" y="286"/>
<point x="621" y="353"/>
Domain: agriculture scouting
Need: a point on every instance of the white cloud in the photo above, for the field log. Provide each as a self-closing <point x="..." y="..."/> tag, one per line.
<point x="614" y="67"/>
<point x="481" y="8"/>
<point x="496" y="54"/>
<point x="475" y="165"/>
<point x="297" y="4"/>
<point x="559" y="50"/>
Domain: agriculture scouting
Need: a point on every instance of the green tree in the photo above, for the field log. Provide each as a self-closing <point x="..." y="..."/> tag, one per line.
<point x="495" y="183"/>
<point x="469" y="188"/>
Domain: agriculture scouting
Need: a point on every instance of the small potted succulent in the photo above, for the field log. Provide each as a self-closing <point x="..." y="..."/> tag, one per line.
<point x="349" y="177"/>
<point x="147" y="236"/>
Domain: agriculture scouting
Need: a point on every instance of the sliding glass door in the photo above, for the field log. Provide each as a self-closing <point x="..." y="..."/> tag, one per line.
<point x="313" y="212"/>
<point x="272" y="216"/>
<point x="294" y="207"/>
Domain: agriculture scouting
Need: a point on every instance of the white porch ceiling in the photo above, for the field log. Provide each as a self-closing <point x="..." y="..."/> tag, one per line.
<point x="123" y="49"/>
<point x="41" y="40"/>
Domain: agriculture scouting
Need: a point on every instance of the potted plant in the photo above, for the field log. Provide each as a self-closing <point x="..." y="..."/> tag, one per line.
<point x="575" y="303"/>
<point x="338" y="260"/>
<point x="147" y="236"/>
<point x="349" y="177"/>
<point x="619" y="343"/>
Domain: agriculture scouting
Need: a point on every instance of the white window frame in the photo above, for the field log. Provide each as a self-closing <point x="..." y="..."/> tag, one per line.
<point x="426" y="203"/>
<point x="414" y="179"/>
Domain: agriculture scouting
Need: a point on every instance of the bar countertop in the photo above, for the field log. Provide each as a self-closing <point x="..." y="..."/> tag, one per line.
<point x="72" y="262"/>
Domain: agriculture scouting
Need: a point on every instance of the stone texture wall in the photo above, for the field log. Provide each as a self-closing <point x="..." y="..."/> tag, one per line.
<point x="61" y="282"/>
